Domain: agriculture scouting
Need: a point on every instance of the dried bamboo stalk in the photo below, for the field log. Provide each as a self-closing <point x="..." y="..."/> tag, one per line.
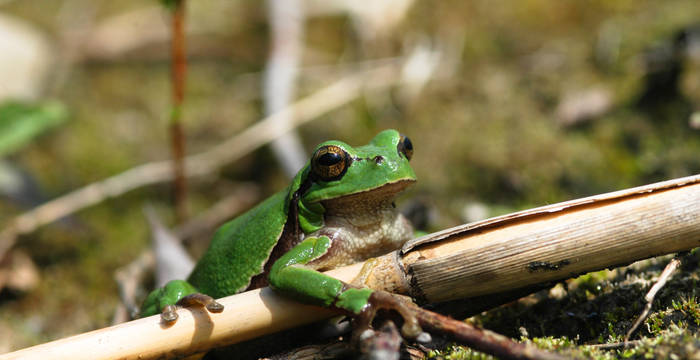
<point x="246" y="315"/>
<point x="555" y="242"/>
<point x="508" y="252"/>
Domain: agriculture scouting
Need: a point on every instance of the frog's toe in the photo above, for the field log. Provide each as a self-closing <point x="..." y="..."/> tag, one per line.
<point x="215" y="307"/>
<point x="201" y="300"/>
<point x="387" y="301"/>
<point x="169" y="314"/>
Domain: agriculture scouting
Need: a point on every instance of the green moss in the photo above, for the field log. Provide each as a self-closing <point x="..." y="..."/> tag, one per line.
<point x="456" y="352"/>
<point x="599" y="308"/>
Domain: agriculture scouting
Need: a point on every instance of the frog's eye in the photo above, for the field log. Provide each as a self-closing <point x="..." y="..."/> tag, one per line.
<point x="330" y="163"/>
<point x="405" y="147"/>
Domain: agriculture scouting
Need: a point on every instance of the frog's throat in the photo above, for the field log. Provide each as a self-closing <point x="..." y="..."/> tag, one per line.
<point x="376" y="198"/>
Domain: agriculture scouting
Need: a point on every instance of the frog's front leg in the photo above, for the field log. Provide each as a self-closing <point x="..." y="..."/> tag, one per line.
<point x="292" y="275"/>
<point x="177" y="294"/>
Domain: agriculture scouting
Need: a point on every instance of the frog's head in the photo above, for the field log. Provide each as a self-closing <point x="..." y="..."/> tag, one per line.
<point x="339" y="173"/>
<point x="337" y="169"/>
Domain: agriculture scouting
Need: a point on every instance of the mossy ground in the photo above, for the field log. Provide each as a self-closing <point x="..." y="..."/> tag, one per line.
<point x="577" y="316"/>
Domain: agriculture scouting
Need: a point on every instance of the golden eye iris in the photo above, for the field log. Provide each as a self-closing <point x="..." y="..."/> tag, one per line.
<point x="405" y="147"/>
<point x="329" y="162"/>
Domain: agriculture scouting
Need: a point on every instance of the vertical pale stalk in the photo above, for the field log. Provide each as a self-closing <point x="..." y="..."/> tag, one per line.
<point x="286" y="19"/>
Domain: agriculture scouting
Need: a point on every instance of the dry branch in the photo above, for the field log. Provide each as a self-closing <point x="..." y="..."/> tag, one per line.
<point x="539" y="245"/>
<point x="304" y="110"/>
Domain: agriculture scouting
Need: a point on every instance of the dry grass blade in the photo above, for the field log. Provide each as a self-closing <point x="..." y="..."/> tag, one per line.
<point x="649" y="297"/>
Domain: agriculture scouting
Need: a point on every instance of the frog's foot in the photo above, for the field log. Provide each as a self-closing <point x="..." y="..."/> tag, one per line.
<point x="169" y="314"/>
<point x="382" y="300"/>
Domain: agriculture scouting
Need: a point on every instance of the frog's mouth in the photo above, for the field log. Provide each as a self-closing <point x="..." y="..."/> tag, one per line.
<point x="379" y="197"/>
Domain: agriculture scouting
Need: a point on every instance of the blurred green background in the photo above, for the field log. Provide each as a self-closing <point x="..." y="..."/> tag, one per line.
<point x="528" y="103"/>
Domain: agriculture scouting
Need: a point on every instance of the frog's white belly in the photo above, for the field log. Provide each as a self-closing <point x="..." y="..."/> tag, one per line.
<point x="361" y="236"/>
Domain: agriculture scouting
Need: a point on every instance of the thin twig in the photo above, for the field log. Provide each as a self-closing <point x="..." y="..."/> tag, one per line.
<point x="177" y="136"/>
<point x="649" y="297"/>
<point x="479" y="339"/>
<point x="309" y="108"/>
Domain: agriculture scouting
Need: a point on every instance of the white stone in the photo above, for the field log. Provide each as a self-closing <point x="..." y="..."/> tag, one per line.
<point x="25" y="59"/>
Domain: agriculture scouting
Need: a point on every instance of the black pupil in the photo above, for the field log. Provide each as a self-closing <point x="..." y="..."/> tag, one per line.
<point x="329" y="159"/>
<point x="407" y="144"/>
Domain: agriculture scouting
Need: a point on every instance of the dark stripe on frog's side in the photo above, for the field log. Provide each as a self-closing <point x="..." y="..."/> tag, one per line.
<point x="286" y="242"/>
<point x="290" y="237"/>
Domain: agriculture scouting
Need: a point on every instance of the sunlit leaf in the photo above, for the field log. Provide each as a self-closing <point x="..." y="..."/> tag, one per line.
<point x="21" y="122"/>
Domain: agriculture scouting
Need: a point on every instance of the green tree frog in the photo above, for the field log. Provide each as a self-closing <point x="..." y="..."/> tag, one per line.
<point x="338" y="210"/>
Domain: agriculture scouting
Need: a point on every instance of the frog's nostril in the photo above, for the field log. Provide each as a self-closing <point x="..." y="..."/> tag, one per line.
<point x="378" y="159"/>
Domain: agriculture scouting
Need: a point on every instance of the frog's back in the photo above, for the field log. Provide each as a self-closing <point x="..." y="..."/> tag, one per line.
<point x="240" y="249"/>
